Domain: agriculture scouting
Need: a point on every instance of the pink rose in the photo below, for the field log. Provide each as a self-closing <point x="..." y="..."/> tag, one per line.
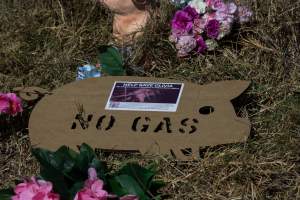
<point x="35" y="190"/>
<point x="10" y="104"/>
<point x="93" y="189"/>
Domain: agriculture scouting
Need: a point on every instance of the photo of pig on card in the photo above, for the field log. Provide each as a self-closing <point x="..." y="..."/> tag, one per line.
<point x="144" y="96"/>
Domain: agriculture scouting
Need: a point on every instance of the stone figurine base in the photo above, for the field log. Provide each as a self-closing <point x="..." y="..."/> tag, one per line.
<point x="130" y="17"/>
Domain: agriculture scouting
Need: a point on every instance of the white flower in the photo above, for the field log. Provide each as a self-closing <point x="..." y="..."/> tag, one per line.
<point x="211" y="44"/>
<point x="198" y="5"/>
<point x="232" y="8"/>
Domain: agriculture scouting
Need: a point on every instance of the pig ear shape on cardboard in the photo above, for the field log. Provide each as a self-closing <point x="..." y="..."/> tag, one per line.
<point x="227" y="89"/>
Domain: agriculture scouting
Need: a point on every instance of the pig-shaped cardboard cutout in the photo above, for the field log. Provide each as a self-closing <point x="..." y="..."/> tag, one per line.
<point x="118" y="113"/>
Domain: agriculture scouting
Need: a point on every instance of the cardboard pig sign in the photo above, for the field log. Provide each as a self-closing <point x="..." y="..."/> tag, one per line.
<point x="149" y="115"/>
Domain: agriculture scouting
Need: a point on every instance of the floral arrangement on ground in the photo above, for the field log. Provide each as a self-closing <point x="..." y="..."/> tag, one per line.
<point x="68" y="175"/>
<point x="198" y="26"/>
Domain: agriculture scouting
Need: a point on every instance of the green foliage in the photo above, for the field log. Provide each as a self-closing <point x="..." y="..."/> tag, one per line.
<point x="68" y="170"/>
<point x="134" y="179"/>
<point x="6" y="194"/>
<point x="111" y="61"/>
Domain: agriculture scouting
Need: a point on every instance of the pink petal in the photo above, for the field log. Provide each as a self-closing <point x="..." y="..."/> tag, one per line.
<point x="26" y="195"/>
<point x="16" y="197"/>
<point x="40" y="196"/>
<point x="21" y="188"/>
<point x="92" y="173"/>
<point x="45" y="186"/>
<point x="84" y="195"/>
<point x="53" y="196"/>
<point x="97" y="189"/>
<point x="35" y="190"/>
<point x="4" y="103"/>
<point x="15" y="103"/>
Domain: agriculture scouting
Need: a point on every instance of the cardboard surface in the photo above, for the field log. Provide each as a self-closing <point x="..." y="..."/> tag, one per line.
<point x="75" y="113"/>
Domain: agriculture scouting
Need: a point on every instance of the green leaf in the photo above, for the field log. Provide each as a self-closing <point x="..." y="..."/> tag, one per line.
<point x="158" y="197"/>
<point x="111" y="61"/>
<point x="6" y="194"/>
<point x="58" y="179"/>
<point x="85" y="157"/>
<point x="142" y="175"/>
<point x="45" y="157"/>
<point x="116" y="187"/>
<point x="152" y="167"/>
<point x="50" y="171"/>
<point x="130" y="185"/>
<point x="76" y="188"/>
<point x="101" y="168"/>
<point x="156" y="185"/>
<point x="65" y="159"/>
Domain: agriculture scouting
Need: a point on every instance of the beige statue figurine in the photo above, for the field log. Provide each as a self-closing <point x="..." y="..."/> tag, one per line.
<point x="130" y="17"/>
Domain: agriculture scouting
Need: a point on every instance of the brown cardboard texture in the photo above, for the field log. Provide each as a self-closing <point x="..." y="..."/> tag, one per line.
<point x="76" y="114"/>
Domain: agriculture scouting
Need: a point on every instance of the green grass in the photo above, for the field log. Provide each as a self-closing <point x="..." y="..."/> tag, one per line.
<point x="43" y="42"/>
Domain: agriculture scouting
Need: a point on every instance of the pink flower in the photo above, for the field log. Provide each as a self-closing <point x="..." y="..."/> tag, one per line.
<point x="4" y="103"/>
<point x="185" y="45"/>
<point x="216" y="4"/>
<point x="199" y="25"/>
<point x="244" y="14"/>
<point x="93" y="189"/>
<point x="35" y="190"/>
<point x="201" y="45"/>
<point x="10" y="104"/>
<point x="227" y="14"/>
<point x="231" y="8"/>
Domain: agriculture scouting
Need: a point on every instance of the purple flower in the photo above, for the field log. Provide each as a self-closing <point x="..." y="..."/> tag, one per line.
<point x="185" y="45"/>
<point x="191" y="11"/>
<point x="201" y="45"/>
<point x="244" y="14"/>
<point x="182" y="22"/>
<point x="212" y="28"/>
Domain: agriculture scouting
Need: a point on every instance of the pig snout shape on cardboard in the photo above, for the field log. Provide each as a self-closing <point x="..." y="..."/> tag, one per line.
<point x="204" y="116"/>
<point x="130" y="17"/>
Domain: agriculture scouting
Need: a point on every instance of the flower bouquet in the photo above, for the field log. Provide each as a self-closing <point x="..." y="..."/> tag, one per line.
<point x="68" y="175"/>
<point x="201" y="23"/>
